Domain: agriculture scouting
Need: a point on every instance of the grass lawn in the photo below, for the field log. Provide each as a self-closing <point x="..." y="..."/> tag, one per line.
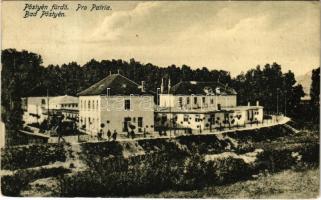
<point x="285" y="184"/>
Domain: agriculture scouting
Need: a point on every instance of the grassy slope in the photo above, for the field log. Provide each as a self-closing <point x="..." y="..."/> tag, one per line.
<point x="286" y="184"/>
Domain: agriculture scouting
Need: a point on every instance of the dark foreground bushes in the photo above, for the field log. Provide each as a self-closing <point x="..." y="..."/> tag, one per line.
<point x="12" y="185"/>
<point x="21" y="157"/>
<point x="184" y="173"/>
<point x="279" y="157"/>
<point x="153" y="177"/>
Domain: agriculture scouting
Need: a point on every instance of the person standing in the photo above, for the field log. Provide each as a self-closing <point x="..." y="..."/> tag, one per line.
<point x="132" y="134"/>
<point x="100" y="134"/>
<point x="114" y="135"/>
<point x="108" y="134"/>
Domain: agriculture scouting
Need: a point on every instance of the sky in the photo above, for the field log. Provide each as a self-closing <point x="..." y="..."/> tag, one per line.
<point x="229" y="35"/>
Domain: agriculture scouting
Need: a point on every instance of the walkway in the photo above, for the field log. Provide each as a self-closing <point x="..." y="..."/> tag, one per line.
<point x="276" y="120"/>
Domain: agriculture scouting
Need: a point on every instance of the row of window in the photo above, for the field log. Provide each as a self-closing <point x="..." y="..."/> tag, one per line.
<point x="72" y="105"/>
<point x="195" y="100"/>
<point x="89" y="122"/>
<point x="92" y="104"/>
<point x="89" y="104"/>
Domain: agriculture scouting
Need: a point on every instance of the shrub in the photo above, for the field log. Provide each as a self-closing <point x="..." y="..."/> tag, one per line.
<point x="11" y="185"/>
<point x="21" y="157"/>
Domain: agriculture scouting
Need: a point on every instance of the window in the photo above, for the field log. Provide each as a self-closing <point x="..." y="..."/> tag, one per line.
<point x="197" y="118"/>
<point x="195" y="100"/>
<point x="93" y="105"/>
<point x="126" y="123"/>
<point x="97" y="104"/>
<point x="140" y="122"/>
<point x="226" y="115"/>
<point x="212" y="101"/>
<point x="127" y="104"/>
<point x="203" y="99"/>
<point x="187" y="100"/>
<point x="43" y="101"/>
<point x="186" y="118"/>
<point x="88" y="104"/>
<point x="180" y="101"/>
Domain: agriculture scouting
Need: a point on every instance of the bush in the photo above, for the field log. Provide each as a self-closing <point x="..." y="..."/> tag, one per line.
<point x="11" y="185"/>
<point x="21" y="157"/>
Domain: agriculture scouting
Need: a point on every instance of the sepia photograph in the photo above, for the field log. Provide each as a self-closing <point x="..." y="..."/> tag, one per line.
<point x="160" y="99"/>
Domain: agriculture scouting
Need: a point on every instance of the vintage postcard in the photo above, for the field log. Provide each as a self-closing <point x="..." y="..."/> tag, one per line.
<point x="160" y="99"/>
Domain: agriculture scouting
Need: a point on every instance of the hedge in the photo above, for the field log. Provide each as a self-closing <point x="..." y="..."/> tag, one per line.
<point x="21" y="157"/>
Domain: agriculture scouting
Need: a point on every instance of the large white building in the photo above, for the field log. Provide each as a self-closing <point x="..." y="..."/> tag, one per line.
<point x="202" y="106"/>
<point x="117" y="104"/>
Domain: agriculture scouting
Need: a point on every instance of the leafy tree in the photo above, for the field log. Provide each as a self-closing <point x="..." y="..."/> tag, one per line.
<point x="17" y="77"/>
<point x="315" y="94"/>
<point x="315" y="87"/>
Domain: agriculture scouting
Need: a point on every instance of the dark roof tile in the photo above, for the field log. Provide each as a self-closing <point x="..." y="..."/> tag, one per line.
<point x="118" y="84"/>
<point x="197" y="88"/>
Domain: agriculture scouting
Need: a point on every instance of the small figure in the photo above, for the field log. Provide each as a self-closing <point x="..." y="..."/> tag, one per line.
<point x="132" y="134"/>
<point x="100" y="134"/>
<point x="114" y="135"/>
<point x="108" y="134"/>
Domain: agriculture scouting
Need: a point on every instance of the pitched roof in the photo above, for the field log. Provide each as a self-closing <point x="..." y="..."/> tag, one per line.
<point x="118" y="84"/>
<point x="63" y="99"/>
<point x="196" y="87"/>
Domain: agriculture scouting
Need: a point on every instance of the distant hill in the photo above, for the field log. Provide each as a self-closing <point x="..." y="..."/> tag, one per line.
<point x="305" y="81"/>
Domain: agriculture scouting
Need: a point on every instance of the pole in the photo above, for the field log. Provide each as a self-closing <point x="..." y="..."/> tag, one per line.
<point x="285" y="106"/>
<point x="47" y="108"/>
<point x="170" y="119"/>
<point x="277" y="101"/>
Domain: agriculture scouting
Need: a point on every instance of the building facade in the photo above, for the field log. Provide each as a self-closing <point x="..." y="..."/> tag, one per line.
<point x="36" y="108"/>
<point x="116" y="104"/>
<point x="203" y="106"/>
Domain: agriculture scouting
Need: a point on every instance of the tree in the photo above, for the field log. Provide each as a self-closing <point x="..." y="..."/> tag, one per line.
<point x="315" y="87"/>
<point x="315" y="94"/>
<point x="17" y="77"/>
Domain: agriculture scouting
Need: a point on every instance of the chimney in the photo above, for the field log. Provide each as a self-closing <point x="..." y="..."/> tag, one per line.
<point x="118" y="71"/>
<point x="143" y="86"/>
<point x="248" y="104"/>
<point x="257" y="103"/>
<point x="109" y="72"/>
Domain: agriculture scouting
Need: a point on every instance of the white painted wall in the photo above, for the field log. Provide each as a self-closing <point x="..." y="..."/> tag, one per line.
<point x="204" y="122"/>
<point x="202" y="101"/>
<point x="111" y="112"/>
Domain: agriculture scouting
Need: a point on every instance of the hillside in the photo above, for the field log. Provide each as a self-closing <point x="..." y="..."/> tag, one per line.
<point x="135" y="168"/>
